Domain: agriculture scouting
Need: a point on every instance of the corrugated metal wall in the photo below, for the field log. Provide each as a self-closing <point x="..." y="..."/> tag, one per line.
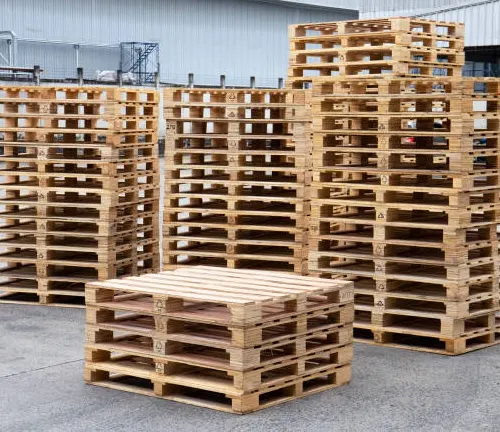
<point x="59" y="60"/>
<point x="209" y="38"/>
<point x="413" y="6"/>
<point x="482" y="22"/>
<point x="346" y="4"/>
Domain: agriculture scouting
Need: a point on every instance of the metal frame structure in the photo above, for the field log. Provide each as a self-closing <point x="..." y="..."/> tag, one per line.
<point x="9" y="57"/>
<point x="142" y="59"/>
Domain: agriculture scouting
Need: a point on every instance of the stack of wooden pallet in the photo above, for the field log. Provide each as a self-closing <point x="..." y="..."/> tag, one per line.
<point x="405" y="202"/>
<point x="396" y="46"/>
<point x="80" y="189"/>
<point x="238" y="168"/>
<point x="247" y="341"/>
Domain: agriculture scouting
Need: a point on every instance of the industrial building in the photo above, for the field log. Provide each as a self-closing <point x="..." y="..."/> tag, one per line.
<point x="238" y="38"/>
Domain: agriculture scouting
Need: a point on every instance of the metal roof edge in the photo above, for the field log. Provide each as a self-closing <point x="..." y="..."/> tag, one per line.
<point x="306" y="5"/>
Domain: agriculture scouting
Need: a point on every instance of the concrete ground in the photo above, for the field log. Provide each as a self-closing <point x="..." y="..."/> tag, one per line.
<point x="42" y="389"/>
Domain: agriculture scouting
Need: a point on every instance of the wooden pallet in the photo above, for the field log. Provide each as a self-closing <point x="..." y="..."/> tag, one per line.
<point x="428" y="270"/>
<point x="84" y="212"/>
<point x="426" y="323"/>
<point x="22" y="285"/>
<point x="192" y="351"/>
<point x="68" y="94"/>
<point x="253" y="335"/>
<point x="72" y="297"/>
<point x="452" y="294"/>
<point x="344" y="47"/>
<point x="304" y="76"/>
<point x="436" y="345"/>
<point x="194" y="391"/>
<point x="410" y="124"/>
<point x="419" y="305"/>
<point x="279" y="333"/>
<point x="237" y="167"/>
<point x="373" y="48"/>
<point x="244" y="296"/>
<point x="375" y="61"/>
<point x="424" y="245"/>
<point x="97" y="154"/>
<point x="270" y="260"/>
<point x="413" y="25"/>
<point x="438" y="105"/>
<point x="85" y="224"/>
<point x="409" y="161"/>
<point x="405" y="87"/>
<point x="80" y="136"/>
<point x="67" y="264"/>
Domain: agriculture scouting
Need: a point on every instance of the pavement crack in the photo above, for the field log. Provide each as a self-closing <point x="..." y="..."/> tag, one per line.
<point x="41" y="368"/>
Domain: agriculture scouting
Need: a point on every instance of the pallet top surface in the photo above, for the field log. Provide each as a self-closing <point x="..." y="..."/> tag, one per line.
<point x="224" y="285"/>
<point x="377" y="23"/>
<point x="224" y="91"/>
<point x="388" y="78"/>
<point x="72" y="88"/>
